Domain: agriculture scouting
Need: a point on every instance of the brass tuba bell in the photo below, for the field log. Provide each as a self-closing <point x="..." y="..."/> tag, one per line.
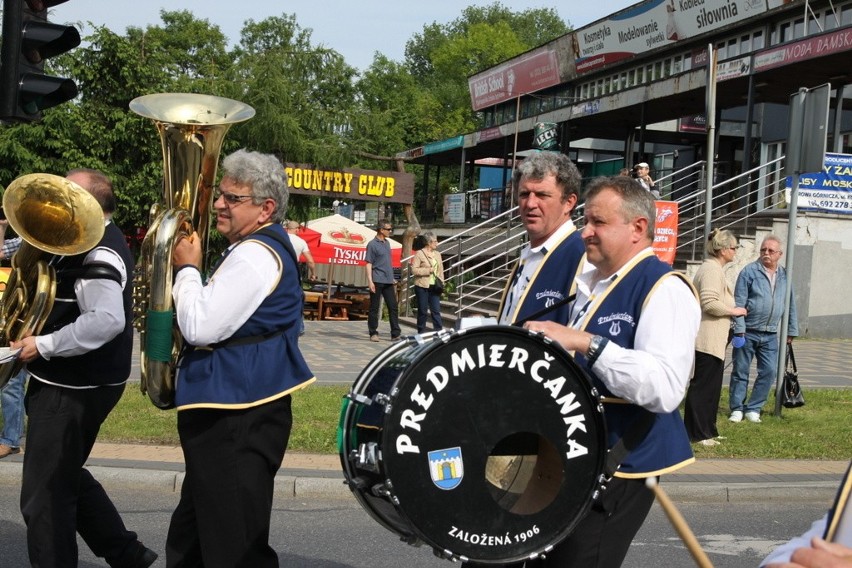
<point x="53" y="216"/>
<point x="192" y="128"/>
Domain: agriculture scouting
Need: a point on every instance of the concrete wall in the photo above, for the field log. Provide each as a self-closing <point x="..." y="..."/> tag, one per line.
<point x="822" y="271"/>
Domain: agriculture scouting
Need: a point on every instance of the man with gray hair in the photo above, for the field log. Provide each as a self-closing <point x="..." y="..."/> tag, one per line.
<point x="548" y="187"/>
<point x="236" y="375"/>
<point x="760" y="289"/>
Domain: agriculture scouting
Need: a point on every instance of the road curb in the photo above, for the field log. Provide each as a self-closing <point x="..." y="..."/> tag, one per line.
<point x="757" y="492"/>
<point x="315" y="487"/>
<point x="286" y="485"/>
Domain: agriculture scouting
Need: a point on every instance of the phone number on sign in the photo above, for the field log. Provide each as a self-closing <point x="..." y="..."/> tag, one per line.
<point x="831" y="204"/>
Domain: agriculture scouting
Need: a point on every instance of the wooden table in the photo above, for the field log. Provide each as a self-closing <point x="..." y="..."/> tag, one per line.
<point x="336" y="309"/>
<point x="360" y="308"/>
<point x="313" y="305"/>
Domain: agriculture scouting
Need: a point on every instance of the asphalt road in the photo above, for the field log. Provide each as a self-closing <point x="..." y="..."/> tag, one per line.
<point x="338" y="533"/>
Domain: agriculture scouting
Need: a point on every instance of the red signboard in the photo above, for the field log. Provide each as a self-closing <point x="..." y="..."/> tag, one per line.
<point x="835" y="42"/>
<point x="525" y="74"/>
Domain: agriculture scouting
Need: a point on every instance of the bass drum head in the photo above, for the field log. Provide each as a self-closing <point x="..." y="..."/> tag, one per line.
<point x="493" y="445"/>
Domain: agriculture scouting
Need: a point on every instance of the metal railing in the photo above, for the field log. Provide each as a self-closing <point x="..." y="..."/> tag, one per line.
<point x="736" y="203"/>
<point x="471" y="256"/>
<point x="477" y="260"/>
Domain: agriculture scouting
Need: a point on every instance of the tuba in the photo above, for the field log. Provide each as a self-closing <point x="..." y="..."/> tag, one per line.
<point x="192" y="128"/>
<point x="53" y="216"/>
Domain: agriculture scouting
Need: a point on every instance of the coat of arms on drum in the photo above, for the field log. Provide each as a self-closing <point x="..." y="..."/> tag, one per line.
<point x="446" y="467"/>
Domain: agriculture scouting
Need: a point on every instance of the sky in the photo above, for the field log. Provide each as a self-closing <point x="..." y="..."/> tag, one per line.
<point x="354" y="28"/>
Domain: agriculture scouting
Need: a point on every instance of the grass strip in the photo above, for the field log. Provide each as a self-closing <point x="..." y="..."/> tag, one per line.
<point x="819" y="430"/>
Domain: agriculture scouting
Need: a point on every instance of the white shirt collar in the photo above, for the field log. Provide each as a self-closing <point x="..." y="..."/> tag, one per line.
<point x="551" y="242"/>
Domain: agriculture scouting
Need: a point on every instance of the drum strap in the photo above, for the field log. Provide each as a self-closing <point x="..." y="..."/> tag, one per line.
<point x="570" y="298"/>
<point x="632" y="438"/>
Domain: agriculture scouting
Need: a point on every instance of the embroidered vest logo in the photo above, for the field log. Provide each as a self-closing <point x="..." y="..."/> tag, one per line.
<point x="615" y="320"/>
<point x="551" y="297"/>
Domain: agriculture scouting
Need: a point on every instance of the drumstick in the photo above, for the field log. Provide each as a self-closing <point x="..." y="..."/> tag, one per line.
<point x="678" y="522"/>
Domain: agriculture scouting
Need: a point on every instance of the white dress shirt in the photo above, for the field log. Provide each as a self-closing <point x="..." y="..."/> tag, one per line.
<point x="210" y="313"/>
<point x="655" y="373"/>
<point x="101" y="305"/>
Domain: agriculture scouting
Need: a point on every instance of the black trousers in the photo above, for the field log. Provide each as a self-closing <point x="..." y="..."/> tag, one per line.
<point x="702" y="397"/>
<point x="602" y="538"/>
<point x="388" y="292"/>
<point x="60" y="498"/>
<point x="232" y="456"/>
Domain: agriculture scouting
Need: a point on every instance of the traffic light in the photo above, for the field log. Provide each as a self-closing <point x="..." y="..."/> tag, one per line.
<point x="29" y="39"/>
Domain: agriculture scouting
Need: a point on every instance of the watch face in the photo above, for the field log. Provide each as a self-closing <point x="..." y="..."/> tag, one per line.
<point x="595" y="343"/>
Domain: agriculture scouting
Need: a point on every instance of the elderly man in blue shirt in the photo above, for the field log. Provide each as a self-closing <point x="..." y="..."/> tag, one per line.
<point x="760" y="289"/>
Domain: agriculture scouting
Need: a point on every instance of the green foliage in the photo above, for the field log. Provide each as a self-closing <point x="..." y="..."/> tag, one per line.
<point x="303" y="94"/>
<point x="311" y="106"/>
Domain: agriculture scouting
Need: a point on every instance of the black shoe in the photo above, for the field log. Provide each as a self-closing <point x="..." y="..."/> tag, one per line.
<point x="144" y="557"/>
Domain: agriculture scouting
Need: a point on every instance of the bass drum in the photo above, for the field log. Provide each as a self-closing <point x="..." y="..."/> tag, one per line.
<point x="486" y="444"/>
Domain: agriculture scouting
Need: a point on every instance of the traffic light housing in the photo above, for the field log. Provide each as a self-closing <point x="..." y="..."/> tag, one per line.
<point x="28" y="39"/>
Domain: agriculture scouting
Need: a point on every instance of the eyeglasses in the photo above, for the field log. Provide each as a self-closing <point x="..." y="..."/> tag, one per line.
<point x="230" y="198"/>
<point x="768" y="251"/>
<point x="387" y="228"/>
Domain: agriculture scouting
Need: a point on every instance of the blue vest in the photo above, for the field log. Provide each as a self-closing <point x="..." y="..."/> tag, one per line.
<point x="109" y="363"/>
<point x="261" y="362"/>
<point x="553" y="281"/>
<point x="666" y="446"/>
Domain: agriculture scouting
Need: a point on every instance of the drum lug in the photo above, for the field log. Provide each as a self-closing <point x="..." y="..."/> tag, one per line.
<point x="385" y="490"/>
<point x="358" y="398"/>
<point x="449" y="555"/>
<point x="367" y="457"/>
<point x="382" y="398"/>
<point x="386" y="400"/>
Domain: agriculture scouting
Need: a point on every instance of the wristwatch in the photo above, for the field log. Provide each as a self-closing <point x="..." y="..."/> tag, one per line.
<point x="596" y="345"/>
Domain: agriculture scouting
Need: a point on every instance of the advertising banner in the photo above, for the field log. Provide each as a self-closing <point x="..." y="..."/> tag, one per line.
<point x="830" y="190"/>
<point x="654" y="24"/>
<point x="665" y="231"/>
<point x="525" y="74"/>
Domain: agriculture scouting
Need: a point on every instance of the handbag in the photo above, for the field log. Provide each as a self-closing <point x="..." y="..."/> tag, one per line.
<point x="437" y="287"/>
<point x="791" y="391"/>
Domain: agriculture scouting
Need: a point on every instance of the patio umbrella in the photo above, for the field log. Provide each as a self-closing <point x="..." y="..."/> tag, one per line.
<point x="336" y="240"/>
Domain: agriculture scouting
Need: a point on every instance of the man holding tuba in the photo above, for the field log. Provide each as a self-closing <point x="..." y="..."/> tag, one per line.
<point x="78" y="365"/>
<point x="236" y="375"/>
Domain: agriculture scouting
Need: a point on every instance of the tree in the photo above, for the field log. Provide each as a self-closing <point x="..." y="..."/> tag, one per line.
<point x="303" y="94"/>
<point x="443" y="56"/>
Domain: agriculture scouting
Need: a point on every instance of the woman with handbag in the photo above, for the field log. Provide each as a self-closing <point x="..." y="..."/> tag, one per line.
<point x="428" y="273"/>
<point x="717" y="309"/>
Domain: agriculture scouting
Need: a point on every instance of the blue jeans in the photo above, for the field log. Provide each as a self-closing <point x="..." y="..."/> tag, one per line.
<point x="12" y="404"/>
<point x="764" y="346"/>
<point x="428" y="302"/>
